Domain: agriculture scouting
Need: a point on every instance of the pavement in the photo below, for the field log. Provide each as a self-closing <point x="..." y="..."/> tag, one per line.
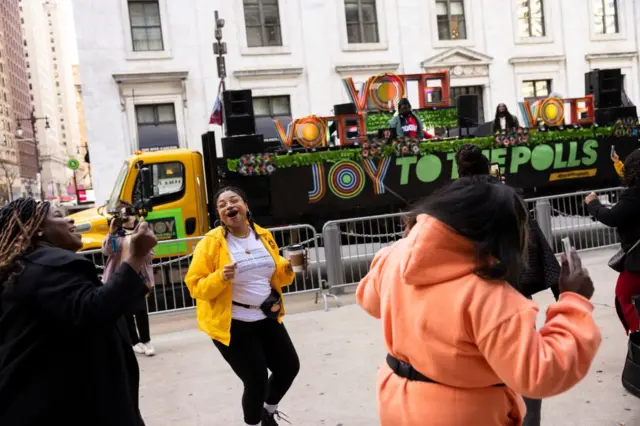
<point x="188" y="382"/>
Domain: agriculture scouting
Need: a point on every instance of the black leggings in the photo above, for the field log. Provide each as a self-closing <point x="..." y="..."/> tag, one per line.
<point x="254" y="348"/>
<point x="141" y="320"/>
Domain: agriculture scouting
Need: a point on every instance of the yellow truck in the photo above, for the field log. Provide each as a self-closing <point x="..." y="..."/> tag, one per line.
<point x="179" y="207"/>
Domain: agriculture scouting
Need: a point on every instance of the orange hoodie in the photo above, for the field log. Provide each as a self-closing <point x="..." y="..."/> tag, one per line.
<point x="467" y="334"/>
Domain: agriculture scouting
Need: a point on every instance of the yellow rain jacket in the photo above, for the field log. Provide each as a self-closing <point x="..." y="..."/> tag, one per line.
<point x="213" y="293"/>
<point x="619" y="166"/>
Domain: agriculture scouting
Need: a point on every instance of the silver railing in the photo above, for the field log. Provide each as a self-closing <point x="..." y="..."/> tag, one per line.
<point x="173" y="257"/>
<point x="351" y="244"/>
<point x="342" y="254"/>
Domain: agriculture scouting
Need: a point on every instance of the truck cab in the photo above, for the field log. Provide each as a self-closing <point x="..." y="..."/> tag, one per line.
<point x="179" y="208"/>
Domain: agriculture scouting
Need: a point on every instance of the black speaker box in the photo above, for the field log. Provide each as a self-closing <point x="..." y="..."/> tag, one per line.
<point x="238" y="112"/>
<point x="345" y="109"/>
<point x="605" y="116"/>
<point x="605" y="86"/>
<point x="467" y="107"/>
<point x="237" y="146"/>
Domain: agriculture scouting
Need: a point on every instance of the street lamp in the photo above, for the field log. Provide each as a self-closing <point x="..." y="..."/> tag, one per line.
<point x="20" y="133"/>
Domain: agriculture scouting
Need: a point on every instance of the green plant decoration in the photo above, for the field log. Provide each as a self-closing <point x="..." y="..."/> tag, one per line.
<point x="300" y="159"/>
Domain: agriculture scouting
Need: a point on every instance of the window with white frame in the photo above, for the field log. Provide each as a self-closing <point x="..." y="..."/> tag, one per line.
<point x="534" y="89"/>
<point x="605" y="16"/>
<point x="157" y="127"/>
<point x="362" y="21"/>
<point x="531" y="18"/>
<point x="451" y="22"/>
<point x="146" y="28"/>
<point x="269" y="108"/>
<point x="262" y="22"/>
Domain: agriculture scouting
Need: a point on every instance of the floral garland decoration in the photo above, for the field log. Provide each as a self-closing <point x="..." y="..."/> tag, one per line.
<point x="519" y="137"/>
<point x="372" y="150"/>
<point x="256" y="165"/>
<point x="406" y="146"/>
<point x="301" y="159"/>
<point x="626" y="127"/>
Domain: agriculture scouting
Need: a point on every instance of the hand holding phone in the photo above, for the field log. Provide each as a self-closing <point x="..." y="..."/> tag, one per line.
<point x="566" y="244"/>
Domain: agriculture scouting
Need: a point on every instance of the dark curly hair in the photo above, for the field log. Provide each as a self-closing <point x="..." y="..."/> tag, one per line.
<point x="242" y="195"/>
<point x="20" y="222"/>
<point x="631" y="177"/>
<point x="471" y="161"/>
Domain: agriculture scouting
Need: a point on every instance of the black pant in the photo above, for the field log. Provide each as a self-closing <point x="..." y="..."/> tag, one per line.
<point x="254" y="348"/>
<point x="534" y="412"/>
<point x="142" y="321"/>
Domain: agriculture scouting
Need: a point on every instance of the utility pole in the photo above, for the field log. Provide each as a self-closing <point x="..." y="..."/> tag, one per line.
<point x="19" y="133"/>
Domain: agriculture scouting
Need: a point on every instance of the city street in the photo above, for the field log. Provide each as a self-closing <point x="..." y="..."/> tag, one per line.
<point x="189" y="384"/>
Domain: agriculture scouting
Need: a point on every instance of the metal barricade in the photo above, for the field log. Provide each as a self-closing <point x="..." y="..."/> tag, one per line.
<point x="170" y="293"/>
<point x="566" y="215"/>
<point x="351" y="244"/>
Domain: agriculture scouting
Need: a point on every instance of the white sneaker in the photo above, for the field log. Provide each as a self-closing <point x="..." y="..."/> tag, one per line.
<point x="140" y="348"/>
<point x="149" y="349"/>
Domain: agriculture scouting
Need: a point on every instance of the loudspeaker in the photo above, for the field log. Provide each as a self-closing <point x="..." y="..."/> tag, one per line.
<point x="605" y="86"/>
<point x="345" y="109"/>
<point x="606" y="116"/>
<point x="467" y="106"/>
<point x="237" y="146"/>
<point x="238" y="112"/>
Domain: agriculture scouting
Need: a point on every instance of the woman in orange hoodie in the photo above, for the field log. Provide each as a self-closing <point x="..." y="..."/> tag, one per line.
<point x="462" y="342"/>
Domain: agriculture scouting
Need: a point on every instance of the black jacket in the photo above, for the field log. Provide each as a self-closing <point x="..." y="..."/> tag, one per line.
<point x="65" y="355"/>
<point x="625" y="217"/>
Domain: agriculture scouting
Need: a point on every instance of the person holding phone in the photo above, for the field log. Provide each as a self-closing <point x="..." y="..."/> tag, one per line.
<point x="64" y="354"/>
<point x="115" y="247"/>
<point x="236" y="277"/>
<point x="624" y="217"/>
<point x="617" y="164"/>
<point x="461" y="341"/>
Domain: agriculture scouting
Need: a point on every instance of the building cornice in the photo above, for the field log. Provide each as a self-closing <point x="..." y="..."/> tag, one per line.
<point x="151" y="77"/>
<point x="269" y="72"/>
<point x="610" y="55"/>
<point x="521" y="60"/>
<point x="371" y="67"/>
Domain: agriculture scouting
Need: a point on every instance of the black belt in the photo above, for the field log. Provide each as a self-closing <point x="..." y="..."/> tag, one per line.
<point x="406" y="371"/>
<point x="245" y="306"/>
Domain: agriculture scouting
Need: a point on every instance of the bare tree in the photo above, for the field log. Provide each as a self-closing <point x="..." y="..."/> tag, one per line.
<point x="10" y="174"/>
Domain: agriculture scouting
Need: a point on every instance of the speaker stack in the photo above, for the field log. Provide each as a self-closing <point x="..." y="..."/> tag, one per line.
<point x="606" y="87"/>
<point x="467" y="107"/>
<point x="241" y="137"/>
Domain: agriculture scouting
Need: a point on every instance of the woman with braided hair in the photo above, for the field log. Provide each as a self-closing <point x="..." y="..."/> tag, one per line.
<point x="65" y="355"/>
<point x="236" y="277"/>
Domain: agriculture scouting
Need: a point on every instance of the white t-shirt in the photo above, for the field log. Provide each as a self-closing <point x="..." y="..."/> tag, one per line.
<point x="503" y="123"/>
<point x="252" y="282"/>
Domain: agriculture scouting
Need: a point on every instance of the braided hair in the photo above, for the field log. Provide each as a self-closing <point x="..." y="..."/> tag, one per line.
<point x="631" y="177"/>
<point x="471" y="161"/>
<point x="239" y="192"/>
<point x="20" y="221"/>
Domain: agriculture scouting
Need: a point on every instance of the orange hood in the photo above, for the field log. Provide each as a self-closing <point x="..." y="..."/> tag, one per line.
<point x="433" y="246"/>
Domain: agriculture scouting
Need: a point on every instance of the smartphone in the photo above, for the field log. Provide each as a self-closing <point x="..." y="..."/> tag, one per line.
<point x="566" y="243"/>
<point x="495" y="170"/>
<point x="613" y="150"/>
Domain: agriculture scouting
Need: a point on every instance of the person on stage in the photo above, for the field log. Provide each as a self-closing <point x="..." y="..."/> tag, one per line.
<point x="406" y="123"/>
<point x="504" y="121"/>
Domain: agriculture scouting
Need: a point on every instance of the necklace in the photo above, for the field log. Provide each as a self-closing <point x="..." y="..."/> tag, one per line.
<point x="246" y="250"/>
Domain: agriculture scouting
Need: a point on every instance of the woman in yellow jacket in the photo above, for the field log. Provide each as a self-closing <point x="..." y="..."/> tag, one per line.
<point x="236" y="277"/>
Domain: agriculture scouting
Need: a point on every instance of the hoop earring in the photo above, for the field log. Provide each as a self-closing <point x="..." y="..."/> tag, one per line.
<point x="217" y="223"/>
<point x="249" y="215"/>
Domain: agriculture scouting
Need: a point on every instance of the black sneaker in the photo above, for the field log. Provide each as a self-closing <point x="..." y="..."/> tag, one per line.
<point x="269" y="419"/>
